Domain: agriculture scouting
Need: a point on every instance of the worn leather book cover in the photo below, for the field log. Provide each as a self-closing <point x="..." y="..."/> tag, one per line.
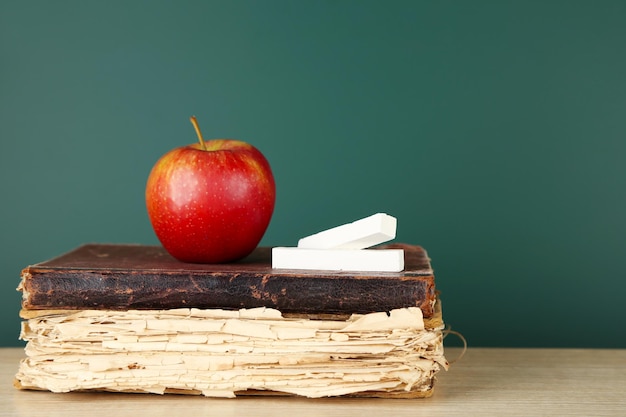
<point x="133" y="276"/>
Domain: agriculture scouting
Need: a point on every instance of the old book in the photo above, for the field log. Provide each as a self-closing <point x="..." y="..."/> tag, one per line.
<point x="126" y="276"/>
<point x="226" y="353"/>
<point x="130" y="318"/>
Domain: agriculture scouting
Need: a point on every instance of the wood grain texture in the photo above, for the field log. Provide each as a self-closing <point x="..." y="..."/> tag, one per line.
<point x="485" y="382"/>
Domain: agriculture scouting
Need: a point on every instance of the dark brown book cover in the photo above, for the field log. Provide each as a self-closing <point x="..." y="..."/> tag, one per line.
<point x="130" y="276"/>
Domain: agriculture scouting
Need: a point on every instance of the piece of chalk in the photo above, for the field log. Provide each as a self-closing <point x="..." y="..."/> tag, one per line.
<point x="371" y="260"/>
<point x="361" y="234"/>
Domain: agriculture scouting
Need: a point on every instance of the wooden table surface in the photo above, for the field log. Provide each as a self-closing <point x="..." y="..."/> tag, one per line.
<point x="486" y="381"/>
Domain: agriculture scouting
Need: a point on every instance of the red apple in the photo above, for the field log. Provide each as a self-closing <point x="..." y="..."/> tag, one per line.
<point x="211" y="201"/>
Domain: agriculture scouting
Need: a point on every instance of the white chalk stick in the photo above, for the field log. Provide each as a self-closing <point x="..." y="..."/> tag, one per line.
<point x="371" y="260"/>
<point x="361" y="234"/>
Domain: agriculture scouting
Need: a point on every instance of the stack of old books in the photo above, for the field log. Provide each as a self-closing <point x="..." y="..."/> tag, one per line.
<point x="130" y="318"/>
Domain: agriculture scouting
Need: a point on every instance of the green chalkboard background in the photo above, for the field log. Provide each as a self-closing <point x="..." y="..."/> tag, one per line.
<point x="495" y="131"/>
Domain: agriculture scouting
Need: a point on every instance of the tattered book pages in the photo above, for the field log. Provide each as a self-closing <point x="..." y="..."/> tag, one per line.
<point x="222" y="353"/>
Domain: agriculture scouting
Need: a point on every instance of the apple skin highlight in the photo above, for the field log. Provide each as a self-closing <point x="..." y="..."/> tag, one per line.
<point x="211" y="202"/>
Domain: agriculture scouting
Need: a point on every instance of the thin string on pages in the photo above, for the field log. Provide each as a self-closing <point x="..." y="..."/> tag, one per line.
<point x="448" y="331"/>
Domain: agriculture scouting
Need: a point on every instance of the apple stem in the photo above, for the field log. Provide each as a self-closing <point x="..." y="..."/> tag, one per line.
<point x="194" y="122"/>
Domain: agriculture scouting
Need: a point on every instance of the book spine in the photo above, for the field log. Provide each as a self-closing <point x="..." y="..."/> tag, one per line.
<point x="290" y="295"/>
